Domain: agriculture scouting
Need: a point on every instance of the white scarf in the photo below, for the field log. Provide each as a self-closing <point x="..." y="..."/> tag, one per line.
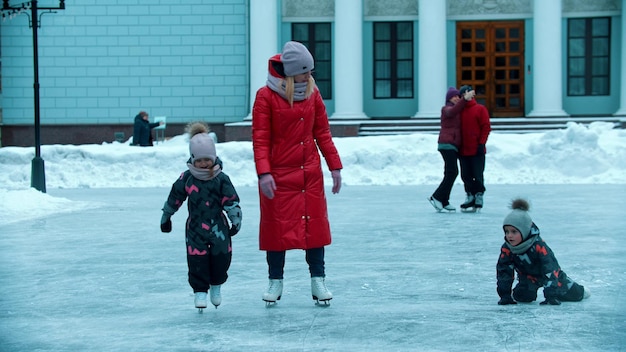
<point x="204" y="174"/>
<point x="277" y="84"/>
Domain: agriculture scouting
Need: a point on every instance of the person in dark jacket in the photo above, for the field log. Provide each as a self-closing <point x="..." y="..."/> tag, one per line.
<point x="525" y="252"/>
<point x="449" y="143"/>
<point x="214" y="216"/>
<point x="475" y="128"/>
<point x="142" y="130"/>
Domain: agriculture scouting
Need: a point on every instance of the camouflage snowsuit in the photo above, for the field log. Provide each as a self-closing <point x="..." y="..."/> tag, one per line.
<point x="537" y="267"/>
<point x="209" y="249"/>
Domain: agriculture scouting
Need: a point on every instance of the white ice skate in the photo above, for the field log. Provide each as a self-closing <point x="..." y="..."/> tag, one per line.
<point x="216" y="295"/>
<point x="200" y="301"/>
<point x="319" y="291"/>
<point x="436" y="204"/>
<point x="449" y="208"/>
<point x="439" y="207"/>
<point x="274" y="292"/>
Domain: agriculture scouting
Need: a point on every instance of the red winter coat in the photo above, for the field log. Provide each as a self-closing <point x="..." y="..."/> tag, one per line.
<point x="285" y="141"/>
<point x="475" y="127"/>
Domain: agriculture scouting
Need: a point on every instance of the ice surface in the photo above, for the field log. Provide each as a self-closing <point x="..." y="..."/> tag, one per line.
<point x="101" y="276"/>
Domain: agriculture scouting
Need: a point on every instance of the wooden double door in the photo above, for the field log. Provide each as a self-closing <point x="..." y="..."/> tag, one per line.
<point x="490" y="58"/>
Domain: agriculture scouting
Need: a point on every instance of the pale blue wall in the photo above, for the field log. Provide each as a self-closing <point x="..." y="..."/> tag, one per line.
<point x="102" y="61"/>
<point x="450" y="57"/>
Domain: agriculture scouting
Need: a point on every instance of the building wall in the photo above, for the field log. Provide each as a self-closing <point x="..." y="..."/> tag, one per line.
<point x="102" y="61"/>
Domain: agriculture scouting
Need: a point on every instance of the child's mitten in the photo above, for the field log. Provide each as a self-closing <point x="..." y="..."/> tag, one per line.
<point x="551" y="301"/>
<point x="166" y="223"/>
<point x="234" y="215"/>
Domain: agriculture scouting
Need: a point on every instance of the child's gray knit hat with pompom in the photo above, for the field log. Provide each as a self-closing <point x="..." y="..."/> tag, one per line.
<point x="201" y="145"/>
<point x="519" y="217"/>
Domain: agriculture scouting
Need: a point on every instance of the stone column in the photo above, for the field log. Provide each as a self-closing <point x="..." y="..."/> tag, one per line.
<point x="432" y="76"/>
<point x="622" y="108"/>
<point x="348" y="60"/>
<point x="263" y="43"/>
<point x="546" y="67"/>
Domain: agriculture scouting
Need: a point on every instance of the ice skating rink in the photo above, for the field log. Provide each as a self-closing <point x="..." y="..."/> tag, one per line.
<point x="404" y="278"/>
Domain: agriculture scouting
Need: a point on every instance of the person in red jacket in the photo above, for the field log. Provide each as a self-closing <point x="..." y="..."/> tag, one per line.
<point x="475" y="128"/>
<point x="289" y="130"/>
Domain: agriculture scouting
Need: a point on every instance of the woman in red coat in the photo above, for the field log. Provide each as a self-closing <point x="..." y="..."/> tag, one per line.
<point x="289" y="124"/>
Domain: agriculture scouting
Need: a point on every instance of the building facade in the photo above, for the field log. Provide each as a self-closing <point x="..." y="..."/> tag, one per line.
<point x="101" y="62"/>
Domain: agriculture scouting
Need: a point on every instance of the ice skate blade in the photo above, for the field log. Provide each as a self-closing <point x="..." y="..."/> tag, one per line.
<point x="322" y="302"/>
<point x="269" y="304"/>
<point x="471" y="210"/>
<point x="200" y="310"/>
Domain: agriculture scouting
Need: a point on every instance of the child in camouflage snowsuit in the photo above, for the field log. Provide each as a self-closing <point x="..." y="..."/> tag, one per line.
<point x="209" y="194"/>
<point x="525" y="252"/>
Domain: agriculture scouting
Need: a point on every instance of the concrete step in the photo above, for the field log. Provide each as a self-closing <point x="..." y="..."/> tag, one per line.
<point x="505" y="125"/>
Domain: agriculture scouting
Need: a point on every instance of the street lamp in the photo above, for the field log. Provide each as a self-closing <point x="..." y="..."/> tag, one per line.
<point x="38" y="175"/>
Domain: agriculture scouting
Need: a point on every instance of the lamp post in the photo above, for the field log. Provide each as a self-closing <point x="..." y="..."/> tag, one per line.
<point x="38" y="175"/>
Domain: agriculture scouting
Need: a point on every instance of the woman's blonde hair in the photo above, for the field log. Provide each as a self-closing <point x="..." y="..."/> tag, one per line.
<point x="289" y="88"/>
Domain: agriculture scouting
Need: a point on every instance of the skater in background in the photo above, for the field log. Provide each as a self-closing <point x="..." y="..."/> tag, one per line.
<point x="475" y="128"/>
<point x="289" y="124"/>
<point x="142" y="130"/>
<point x="214" y="216"/>
<point x="525" y="252"/>
<point x="449" y="143"/>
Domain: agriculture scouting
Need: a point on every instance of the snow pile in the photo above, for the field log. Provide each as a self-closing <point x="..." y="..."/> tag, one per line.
<point x="579" y="154"/>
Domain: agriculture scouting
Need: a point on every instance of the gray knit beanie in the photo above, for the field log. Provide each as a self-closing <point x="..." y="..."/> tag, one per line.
<point x="201" y="145"/>
<point x="519" y="217"/>
<point x="296" y="59"/>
